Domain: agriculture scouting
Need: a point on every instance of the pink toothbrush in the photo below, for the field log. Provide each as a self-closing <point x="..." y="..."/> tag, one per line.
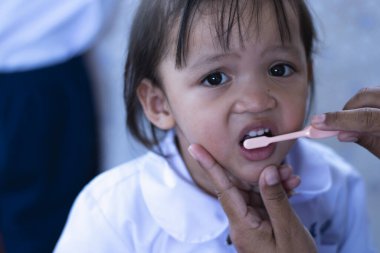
<point x="308" y="131"/>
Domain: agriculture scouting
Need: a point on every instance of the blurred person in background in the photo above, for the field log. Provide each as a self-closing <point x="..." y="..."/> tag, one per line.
<point x="48" y="124"/>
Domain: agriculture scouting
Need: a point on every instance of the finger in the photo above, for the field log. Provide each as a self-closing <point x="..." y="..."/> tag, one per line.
<point x="285" y="172"/>
<point x="366" y="97"/>
<point x="229" y="196"/>
<point x="211" y="167"/>
<point x="347" y="136"/>
<point x="359" y="120"/>
<point x="288" y="180"/>
<point x="280" y="213"/>
<point x="291" y="184"/>
<point x="370" y="143"/>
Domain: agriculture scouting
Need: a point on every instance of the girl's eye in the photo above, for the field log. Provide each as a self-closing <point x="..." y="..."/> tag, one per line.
<point x="281" y="70"/>
<point x="215" y="79"/>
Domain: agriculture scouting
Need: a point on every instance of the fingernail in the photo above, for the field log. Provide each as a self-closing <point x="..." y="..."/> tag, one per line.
<point x="191" y="151"/>
<point x="271" y="176"/>
<point x="318" y="120"/>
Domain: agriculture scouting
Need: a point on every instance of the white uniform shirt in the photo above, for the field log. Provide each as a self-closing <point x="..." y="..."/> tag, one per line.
<point x="37" y="33"/>
<point x="151" y="204"/>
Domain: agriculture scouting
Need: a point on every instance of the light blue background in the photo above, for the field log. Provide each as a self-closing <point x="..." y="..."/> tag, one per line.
<point x="347" y="60"/>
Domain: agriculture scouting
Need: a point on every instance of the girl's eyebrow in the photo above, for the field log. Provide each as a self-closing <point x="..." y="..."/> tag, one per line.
<point x="212" y="58"/>
<point x="281" y="49"/>
<point x="209" y="59"/>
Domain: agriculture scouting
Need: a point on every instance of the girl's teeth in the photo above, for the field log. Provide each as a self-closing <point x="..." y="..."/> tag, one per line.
<point x="258" y="132"/>
<point x="252" y="133"/>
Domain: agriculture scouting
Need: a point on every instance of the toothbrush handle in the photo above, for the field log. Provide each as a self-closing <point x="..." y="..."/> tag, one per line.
<point x="264" y="141"/>
<point x="285" y="137"/>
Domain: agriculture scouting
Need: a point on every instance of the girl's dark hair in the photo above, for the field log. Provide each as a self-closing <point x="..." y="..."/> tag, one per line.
<point x="158" y="22"/>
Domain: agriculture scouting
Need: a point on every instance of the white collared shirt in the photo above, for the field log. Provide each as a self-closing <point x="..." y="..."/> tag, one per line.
<point x="151" y="204"/>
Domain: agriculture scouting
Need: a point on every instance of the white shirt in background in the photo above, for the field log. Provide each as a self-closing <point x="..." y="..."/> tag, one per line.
<point x="38" y="33"/>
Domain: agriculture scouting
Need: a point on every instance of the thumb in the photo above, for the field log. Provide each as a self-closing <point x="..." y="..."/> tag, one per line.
<point x="273" y="194"/>
<point x="276" y="203"/>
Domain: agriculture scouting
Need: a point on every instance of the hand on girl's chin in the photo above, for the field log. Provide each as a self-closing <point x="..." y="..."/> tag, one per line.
<point x="251" y="181"/>
<point x="242" y="185"/>
<point x="288" y="179"/>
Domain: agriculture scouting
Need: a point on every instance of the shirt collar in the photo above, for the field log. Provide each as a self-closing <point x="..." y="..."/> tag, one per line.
<point x="174" y="200"/>
<point x="166" y="181"/>
<point x="308" y="162"/>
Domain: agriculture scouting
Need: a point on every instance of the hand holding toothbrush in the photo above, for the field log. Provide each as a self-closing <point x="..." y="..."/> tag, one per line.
<point x="359" y="121"/>
<point x="309" y="131"/>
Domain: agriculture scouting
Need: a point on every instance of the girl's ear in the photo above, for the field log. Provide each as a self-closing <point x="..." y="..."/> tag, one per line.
<point x="155" y="105"/>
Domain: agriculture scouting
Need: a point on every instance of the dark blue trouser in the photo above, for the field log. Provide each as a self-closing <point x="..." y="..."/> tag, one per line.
<point x="48" y="152"/>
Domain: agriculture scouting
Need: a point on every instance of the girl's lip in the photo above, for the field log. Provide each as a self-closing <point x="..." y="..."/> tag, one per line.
<point x="258" y="154"/>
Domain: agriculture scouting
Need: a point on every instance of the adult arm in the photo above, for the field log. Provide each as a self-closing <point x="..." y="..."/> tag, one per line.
<point x="359" y="121"/>
<point x="271" y="228"/>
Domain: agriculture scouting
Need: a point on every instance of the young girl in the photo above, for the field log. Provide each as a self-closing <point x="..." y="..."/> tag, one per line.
<point x="214" y="73"/>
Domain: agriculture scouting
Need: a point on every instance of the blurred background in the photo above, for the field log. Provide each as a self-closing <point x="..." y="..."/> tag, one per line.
<point x="346" y="60"/>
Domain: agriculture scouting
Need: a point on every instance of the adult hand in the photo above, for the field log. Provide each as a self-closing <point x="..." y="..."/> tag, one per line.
<point x="358" y="122"/>
<point x="267" y="225"/>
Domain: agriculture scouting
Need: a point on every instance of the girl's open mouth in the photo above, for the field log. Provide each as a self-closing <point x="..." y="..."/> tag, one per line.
<point x="259" y="153"/>
<point x="256" y="133"/>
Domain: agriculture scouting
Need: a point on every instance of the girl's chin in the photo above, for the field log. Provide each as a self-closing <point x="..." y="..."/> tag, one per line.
<point x="247" y="180"/>
<point x="251" y="172"/>
<point x="243" y="182"/>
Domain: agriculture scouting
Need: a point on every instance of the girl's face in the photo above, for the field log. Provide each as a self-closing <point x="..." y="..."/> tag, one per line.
<point x="220" y="97"/>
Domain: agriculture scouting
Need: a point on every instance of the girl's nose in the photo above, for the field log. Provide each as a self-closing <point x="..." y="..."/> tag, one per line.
<point x="254" y="99"/>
